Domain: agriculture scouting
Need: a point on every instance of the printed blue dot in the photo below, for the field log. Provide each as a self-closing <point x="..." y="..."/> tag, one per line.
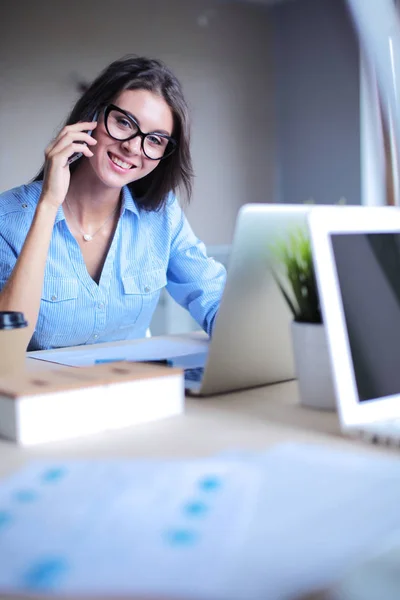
<point x="45" y="574"/>
<point x="25" y="496"/>
<point x="53" y="475"/>
<point x="196" y="509"/>
<point x="210" y="483"/>
<point x="5" y="518"/>
<point x="182" y="537"/>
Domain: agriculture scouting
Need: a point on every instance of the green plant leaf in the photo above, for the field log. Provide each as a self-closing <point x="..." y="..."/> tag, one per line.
<point x="293" y="256"/>
<point x="285" y="295"/>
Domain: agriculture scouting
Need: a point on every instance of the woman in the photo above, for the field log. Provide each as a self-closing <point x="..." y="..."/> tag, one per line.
<point x="86" y="248"/>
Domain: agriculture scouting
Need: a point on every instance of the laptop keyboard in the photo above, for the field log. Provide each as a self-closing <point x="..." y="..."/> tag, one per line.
<point x="195" y="374"/>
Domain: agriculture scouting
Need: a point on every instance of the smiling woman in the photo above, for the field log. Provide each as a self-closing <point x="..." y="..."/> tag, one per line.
<point x="86" y="248"/>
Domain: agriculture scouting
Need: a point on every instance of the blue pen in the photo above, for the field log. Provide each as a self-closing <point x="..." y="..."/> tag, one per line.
<point x="160" y="361"/>
<point x="99" y="361"/>
<point x="157" y="361"/>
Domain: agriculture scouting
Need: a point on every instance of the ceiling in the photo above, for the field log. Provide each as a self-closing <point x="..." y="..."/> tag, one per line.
<point x="266" y="2"/>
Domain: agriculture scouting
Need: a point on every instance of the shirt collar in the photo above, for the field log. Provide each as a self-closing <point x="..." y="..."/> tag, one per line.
<point x="60" y="215"/>
<point x="128" y="203"/>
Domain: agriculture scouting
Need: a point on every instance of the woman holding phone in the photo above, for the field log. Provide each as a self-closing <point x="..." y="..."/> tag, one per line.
<point x="86" y="248"/>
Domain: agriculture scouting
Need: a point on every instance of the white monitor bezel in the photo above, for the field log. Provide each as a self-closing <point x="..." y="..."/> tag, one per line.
<point x="322" y="225"/>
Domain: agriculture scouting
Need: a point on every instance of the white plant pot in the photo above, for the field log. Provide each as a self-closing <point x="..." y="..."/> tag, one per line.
<point x="313" y="367"/>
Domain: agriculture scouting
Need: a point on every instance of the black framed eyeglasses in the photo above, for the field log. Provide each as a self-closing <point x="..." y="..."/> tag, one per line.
<point x="121" y="126"/>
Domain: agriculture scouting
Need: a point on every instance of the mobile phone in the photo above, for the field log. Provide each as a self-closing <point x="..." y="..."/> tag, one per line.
<point x="77" y="155"/>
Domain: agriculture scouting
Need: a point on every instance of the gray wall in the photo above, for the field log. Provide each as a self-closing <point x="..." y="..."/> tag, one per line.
<point x="220" y="51"/>
<point x="318" y="106"/>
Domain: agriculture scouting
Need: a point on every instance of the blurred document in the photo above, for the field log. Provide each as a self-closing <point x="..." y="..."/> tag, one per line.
<point x="148" y="349"/>
<point x="241" y="527"/>
<point x="126" y="527"/>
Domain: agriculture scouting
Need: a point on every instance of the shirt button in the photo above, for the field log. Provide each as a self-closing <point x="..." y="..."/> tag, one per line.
<point x="53" y="298"/>
<point x="100" y="305"/>
<point x="147" y="289"/>
<point x="24" y="205"/>
<point x="95" y="336"/>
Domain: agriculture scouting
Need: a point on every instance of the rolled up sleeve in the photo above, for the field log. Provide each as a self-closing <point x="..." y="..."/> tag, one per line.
<point x="8" y="258"/>
<point x="195" y="280"/>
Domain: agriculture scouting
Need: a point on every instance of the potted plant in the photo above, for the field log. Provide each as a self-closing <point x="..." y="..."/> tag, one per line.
<point x="293" y="270"/>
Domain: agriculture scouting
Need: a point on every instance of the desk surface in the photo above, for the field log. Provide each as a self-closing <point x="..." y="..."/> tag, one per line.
<point x="250" y="420"/>
<point x="247" y="420"/>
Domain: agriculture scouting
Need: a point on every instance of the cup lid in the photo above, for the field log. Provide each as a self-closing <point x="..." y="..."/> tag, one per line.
<point x="12" y="320"/>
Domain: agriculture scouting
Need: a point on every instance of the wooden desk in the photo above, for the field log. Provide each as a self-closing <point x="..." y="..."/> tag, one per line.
<point x="250" y="420"/>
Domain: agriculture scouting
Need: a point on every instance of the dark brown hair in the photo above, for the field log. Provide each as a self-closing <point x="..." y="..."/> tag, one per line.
<point x="133" y="73"/>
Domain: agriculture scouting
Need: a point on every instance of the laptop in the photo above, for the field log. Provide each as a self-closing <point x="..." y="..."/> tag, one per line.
<point x="251" y="343"/>
<point x="357" y="261"/>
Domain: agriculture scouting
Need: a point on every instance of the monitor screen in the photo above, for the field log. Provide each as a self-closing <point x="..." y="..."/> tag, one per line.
<point x="368" y="270"/>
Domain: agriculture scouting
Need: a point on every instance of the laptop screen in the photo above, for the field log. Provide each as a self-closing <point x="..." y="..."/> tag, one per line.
<point x="368" y="270"/>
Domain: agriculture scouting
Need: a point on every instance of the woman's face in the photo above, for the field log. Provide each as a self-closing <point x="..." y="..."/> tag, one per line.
<point x="117" y="163"/>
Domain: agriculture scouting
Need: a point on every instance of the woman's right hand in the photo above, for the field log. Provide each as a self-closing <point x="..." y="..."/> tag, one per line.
<point x="56" y="170"/>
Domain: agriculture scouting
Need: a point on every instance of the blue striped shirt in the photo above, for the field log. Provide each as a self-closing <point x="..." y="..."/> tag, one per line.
<point x="149" y="250"/>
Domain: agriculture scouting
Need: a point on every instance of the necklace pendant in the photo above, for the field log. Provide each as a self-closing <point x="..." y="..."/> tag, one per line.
<point x="87" y="237"/>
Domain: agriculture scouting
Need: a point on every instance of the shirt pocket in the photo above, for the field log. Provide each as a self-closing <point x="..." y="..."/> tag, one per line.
<point x="57" y="316"/>
<point x="141" y="293"/>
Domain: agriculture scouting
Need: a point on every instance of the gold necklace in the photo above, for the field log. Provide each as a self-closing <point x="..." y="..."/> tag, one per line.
<point x="87" y="236"/>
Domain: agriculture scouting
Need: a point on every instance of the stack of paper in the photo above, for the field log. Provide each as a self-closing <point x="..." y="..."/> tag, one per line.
<point x="154" y="349"/>
<point x="242" y="527"/>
